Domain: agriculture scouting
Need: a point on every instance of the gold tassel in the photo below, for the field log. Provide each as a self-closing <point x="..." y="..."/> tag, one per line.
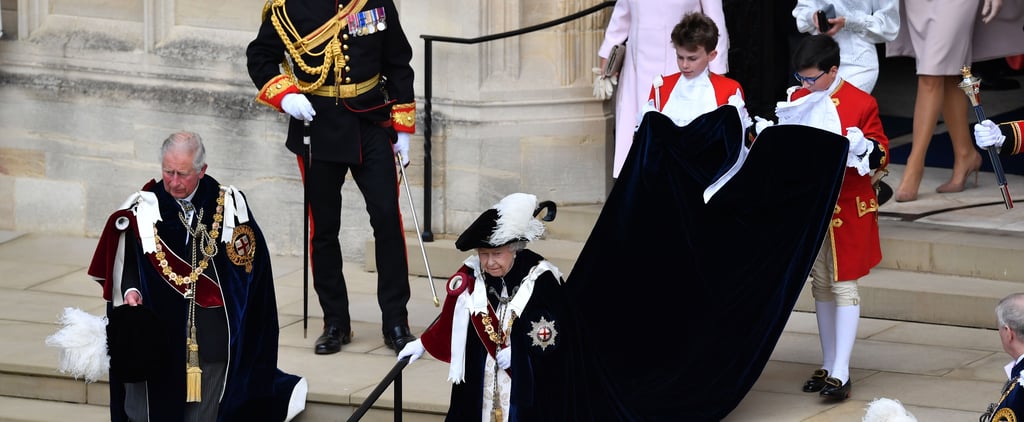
<point x="194" y="375"/>
<point x="497" y="414"/>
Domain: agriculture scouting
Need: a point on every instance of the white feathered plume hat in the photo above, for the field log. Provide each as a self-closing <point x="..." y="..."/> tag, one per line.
<point x="511" y="219"/>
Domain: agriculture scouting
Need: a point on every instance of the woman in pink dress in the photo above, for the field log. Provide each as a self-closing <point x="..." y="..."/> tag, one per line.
<point x="943" y="37"/>
<point x="647" y="24"/>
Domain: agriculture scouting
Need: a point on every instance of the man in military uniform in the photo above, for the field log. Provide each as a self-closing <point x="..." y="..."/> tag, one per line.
<point x="343" y="68"/>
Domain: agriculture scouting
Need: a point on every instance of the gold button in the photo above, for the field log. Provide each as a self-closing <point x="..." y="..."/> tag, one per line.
<point x="344" y="37"/>
<point x="344" y="47"/>
<point x="348" y="69"/>
<point x="346" y="58"/>
<point x="348" y="80"/>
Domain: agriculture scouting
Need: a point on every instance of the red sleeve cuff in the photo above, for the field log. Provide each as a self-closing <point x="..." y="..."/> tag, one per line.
<point x="274" y="90"/>
<point x="403" y="117"/>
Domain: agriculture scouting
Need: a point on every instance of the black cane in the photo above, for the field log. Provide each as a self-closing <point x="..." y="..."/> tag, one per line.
<point x="971" y="86"/>
<point x="306" y="158"/>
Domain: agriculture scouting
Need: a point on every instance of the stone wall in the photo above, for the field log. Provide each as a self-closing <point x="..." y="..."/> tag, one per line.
<point x="89" y="89"/>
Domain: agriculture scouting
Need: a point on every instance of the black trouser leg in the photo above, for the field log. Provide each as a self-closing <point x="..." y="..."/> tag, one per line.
<point x="377" y="180"/>
<point x="325" y="180"/>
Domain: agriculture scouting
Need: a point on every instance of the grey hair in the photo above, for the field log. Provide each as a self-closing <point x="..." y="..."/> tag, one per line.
<point x="517" y="245"/>
<point x="186" y="140"/>
<point x="1010" y="312"/>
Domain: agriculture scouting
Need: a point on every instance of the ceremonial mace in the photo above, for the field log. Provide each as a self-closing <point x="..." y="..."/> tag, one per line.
<point x="307" y="159"/>
<point x="415" y="222"/>
<point x="970" y="86"/>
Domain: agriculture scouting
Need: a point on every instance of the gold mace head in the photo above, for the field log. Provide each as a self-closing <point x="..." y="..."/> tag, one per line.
<point x="970" y="85"/>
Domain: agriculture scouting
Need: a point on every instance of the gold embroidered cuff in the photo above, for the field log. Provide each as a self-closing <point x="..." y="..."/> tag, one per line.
<point x="273" y="91"/>
<point x="404" y="117"/>
<point x="1013" y="132"/>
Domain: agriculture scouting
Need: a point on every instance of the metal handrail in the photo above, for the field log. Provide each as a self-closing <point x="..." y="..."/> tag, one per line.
<point x="428" y="235"/>
<point x="395" y="375"/>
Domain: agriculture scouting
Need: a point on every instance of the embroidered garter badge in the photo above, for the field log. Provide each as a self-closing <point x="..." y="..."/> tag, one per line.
<point x="1005" y="414"/>
<point x="242" y="249"/>
<point x="543" y="333"/>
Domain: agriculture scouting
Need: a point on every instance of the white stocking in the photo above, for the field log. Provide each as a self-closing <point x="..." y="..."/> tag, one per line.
<point x="847" y="318"/>
<point x="826" y="315"/>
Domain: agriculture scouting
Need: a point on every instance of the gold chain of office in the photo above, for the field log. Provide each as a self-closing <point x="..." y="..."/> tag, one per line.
<point x="209" y="248"/>
<point x="497" y="337"/>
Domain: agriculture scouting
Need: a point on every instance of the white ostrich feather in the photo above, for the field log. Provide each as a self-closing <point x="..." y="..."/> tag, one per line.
<point x="82" y="341"/>
<point x="515" y="219"/>
<point x="887" y="410"/>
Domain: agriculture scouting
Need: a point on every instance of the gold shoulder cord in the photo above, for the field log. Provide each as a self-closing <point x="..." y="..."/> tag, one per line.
<point x="325" y="36"/>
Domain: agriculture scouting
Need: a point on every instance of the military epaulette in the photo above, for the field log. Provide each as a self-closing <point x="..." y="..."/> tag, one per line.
<point x="274" y="90"/>
<point x="266" y="8"/>
<point x="403" y="116"/>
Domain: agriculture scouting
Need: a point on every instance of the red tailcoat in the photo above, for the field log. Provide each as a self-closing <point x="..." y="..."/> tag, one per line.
<point x="724" y="88"/>
<point x="854" y="229"/>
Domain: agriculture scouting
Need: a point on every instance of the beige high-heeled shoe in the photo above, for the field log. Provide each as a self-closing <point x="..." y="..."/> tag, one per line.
<point x="905" y="194"/>
<point x="958" y="184"/>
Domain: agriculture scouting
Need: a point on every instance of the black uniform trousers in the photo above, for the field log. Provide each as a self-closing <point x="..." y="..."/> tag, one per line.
<point x="377" y="180"/>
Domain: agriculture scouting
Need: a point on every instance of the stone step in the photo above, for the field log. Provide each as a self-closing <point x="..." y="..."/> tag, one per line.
<point x="48" y="410"/>
<point x="929" y="272"/>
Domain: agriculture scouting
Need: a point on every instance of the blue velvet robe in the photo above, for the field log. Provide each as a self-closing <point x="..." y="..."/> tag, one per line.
<point x="255" y="388"/>
<point x="680" y="302"/>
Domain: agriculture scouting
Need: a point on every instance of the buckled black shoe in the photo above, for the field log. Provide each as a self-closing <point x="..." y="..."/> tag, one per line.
<point x="816" y="382"/>
<point x="398" y="337"/>
<point x="331" y="340"/>
<point x="836" y="390"/>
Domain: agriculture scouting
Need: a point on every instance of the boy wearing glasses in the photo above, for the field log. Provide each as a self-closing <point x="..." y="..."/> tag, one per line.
<point x="851" y="247"/>
<point x="694" y="90"/>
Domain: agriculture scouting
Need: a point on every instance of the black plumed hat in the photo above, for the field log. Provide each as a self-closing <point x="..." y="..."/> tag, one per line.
<point x="508" y="221"/>
<point x="136" y="343"/>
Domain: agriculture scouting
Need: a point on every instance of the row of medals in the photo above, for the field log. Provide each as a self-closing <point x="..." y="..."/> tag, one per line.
<point x="367" y="22"/>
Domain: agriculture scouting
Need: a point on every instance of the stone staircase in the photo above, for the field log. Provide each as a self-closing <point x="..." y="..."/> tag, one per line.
<point x="930" y="273"/>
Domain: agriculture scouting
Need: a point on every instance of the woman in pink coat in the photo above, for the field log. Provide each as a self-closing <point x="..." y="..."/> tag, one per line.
<point x="647" y="24"/>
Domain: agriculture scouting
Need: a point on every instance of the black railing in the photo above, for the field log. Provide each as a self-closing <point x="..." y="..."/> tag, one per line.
<point x="428" y="65"/>
<point x="395" y="375"/>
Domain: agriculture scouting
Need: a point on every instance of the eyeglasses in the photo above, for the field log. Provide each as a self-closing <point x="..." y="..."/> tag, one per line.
<point x="809" y="81"/>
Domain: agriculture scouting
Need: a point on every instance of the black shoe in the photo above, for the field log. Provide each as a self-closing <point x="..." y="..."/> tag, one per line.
<point x="331" y="340"/>
<point x="398" y="337"/>
<point x="836" y="390"/>
<point x="816" y="382"/>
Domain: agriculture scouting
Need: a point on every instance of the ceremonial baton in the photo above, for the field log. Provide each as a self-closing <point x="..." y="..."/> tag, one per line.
<point x="307" y="158"/>
<point x="970" y="85"/>
<point x="415" y="222"/>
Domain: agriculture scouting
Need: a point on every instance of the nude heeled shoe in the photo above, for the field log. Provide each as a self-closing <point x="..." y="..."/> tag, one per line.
<point x="954" y="185"/>
<point x="906" y="195"/>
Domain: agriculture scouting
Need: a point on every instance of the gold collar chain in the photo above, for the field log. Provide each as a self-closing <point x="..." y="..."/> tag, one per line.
<point x="209" y="249"/>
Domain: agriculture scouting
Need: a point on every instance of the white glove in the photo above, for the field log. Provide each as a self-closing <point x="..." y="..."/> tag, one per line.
<point x="604" y="87"/>
<point x="413" y="350"/>
<point x="990" y="9"/>
<point x="298" y="106"/>
<point x="987" y="135"/>
<point x="858" y="143"/>
<point x="760" y="123"/>
<point x="401" y="147"/>
<point x="504" y="358"/>
<point x="736" y="100"/>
